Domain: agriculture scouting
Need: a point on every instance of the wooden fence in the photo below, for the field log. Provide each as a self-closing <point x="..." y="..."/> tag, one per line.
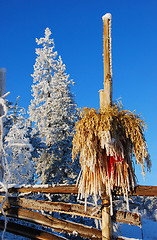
<point x="26" y="209"/>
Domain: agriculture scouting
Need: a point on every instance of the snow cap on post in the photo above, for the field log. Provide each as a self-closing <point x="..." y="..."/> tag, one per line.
<point x="107" y="16"/>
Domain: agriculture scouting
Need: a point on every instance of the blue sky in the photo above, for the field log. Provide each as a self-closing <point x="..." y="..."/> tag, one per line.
<point x="77" y="29"/>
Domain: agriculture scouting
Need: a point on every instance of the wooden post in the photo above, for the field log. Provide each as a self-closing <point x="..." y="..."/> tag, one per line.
<point x="105" y="102"/>
<point x="106" y="93"/>
<point x="106" y="218"/>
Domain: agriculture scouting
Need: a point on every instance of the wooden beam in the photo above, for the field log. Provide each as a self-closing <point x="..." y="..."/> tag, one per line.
<point x="127" y="217"/>
<point x="53" y="223"/>
<point x="61" y="207"/>
<point x="145" y="191"/>
<point x="68" y="208"/>
<point x="67" y="189"/>
<point x="63" y="189"/>
<point x="29" y="232"/>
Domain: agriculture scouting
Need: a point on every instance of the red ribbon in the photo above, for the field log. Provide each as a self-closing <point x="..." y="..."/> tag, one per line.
<point x="111" y="163"/>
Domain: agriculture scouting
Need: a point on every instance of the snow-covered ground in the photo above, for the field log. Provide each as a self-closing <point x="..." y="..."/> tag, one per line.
<point x="148" y="230"/>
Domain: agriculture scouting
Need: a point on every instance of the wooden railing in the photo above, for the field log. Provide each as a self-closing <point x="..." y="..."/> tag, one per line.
<point x="140" y="190"/>
<point x="26" y="209"/>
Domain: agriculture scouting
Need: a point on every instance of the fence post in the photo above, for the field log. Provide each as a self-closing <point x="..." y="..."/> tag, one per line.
<point x="105" y="102"/>
<point x="106" y="93"/>
<point x="106" y="218"/>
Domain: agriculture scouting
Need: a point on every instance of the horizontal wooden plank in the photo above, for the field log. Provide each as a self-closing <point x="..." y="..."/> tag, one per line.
<point x="63" y="189"/>
<point x="67" y="208"/>
<point x="127" y="217"/>
<point x="141" y="190"/>
<point x="61" y="207"/>
<point x="29" y="232"/>
<point x="54" y="223"/>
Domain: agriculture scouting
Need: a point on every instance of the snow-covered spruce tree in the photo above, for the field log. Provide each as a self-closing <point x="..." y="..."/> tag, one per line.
<point x="18" y="148"/>
<point x="53" y="113"/>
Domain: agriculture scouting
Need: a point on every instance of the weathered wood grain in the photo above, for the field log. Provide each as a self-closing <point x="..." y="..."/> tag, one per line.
<point x="127" y="217"/>
<point x="141" y="190"/>
<point x="53" y="223"/>
<point x="67" y="208"/>
<point x="63" y="189"/>
<point x="61" y="207"/>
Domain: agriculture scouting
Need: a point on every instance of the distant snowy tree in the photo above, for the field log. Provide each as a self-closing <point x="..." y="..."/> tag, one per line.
<point x="52" y="111"/>
<point x="15" y="113"/>
<point x="18" y="148"/>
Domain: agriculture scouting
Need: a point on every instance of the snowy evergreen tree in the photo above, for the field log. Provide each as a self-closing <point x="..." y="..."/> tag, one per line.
<point x="15" y="113"/>
<point x="18" y="151"/>
<point x="18" y="148"/>
<point x="53" y="112"/>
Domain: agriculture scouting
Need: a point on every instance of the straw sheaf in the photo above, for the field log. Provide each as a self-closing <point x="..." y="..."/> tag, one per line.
<point x="94" y="134"/>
